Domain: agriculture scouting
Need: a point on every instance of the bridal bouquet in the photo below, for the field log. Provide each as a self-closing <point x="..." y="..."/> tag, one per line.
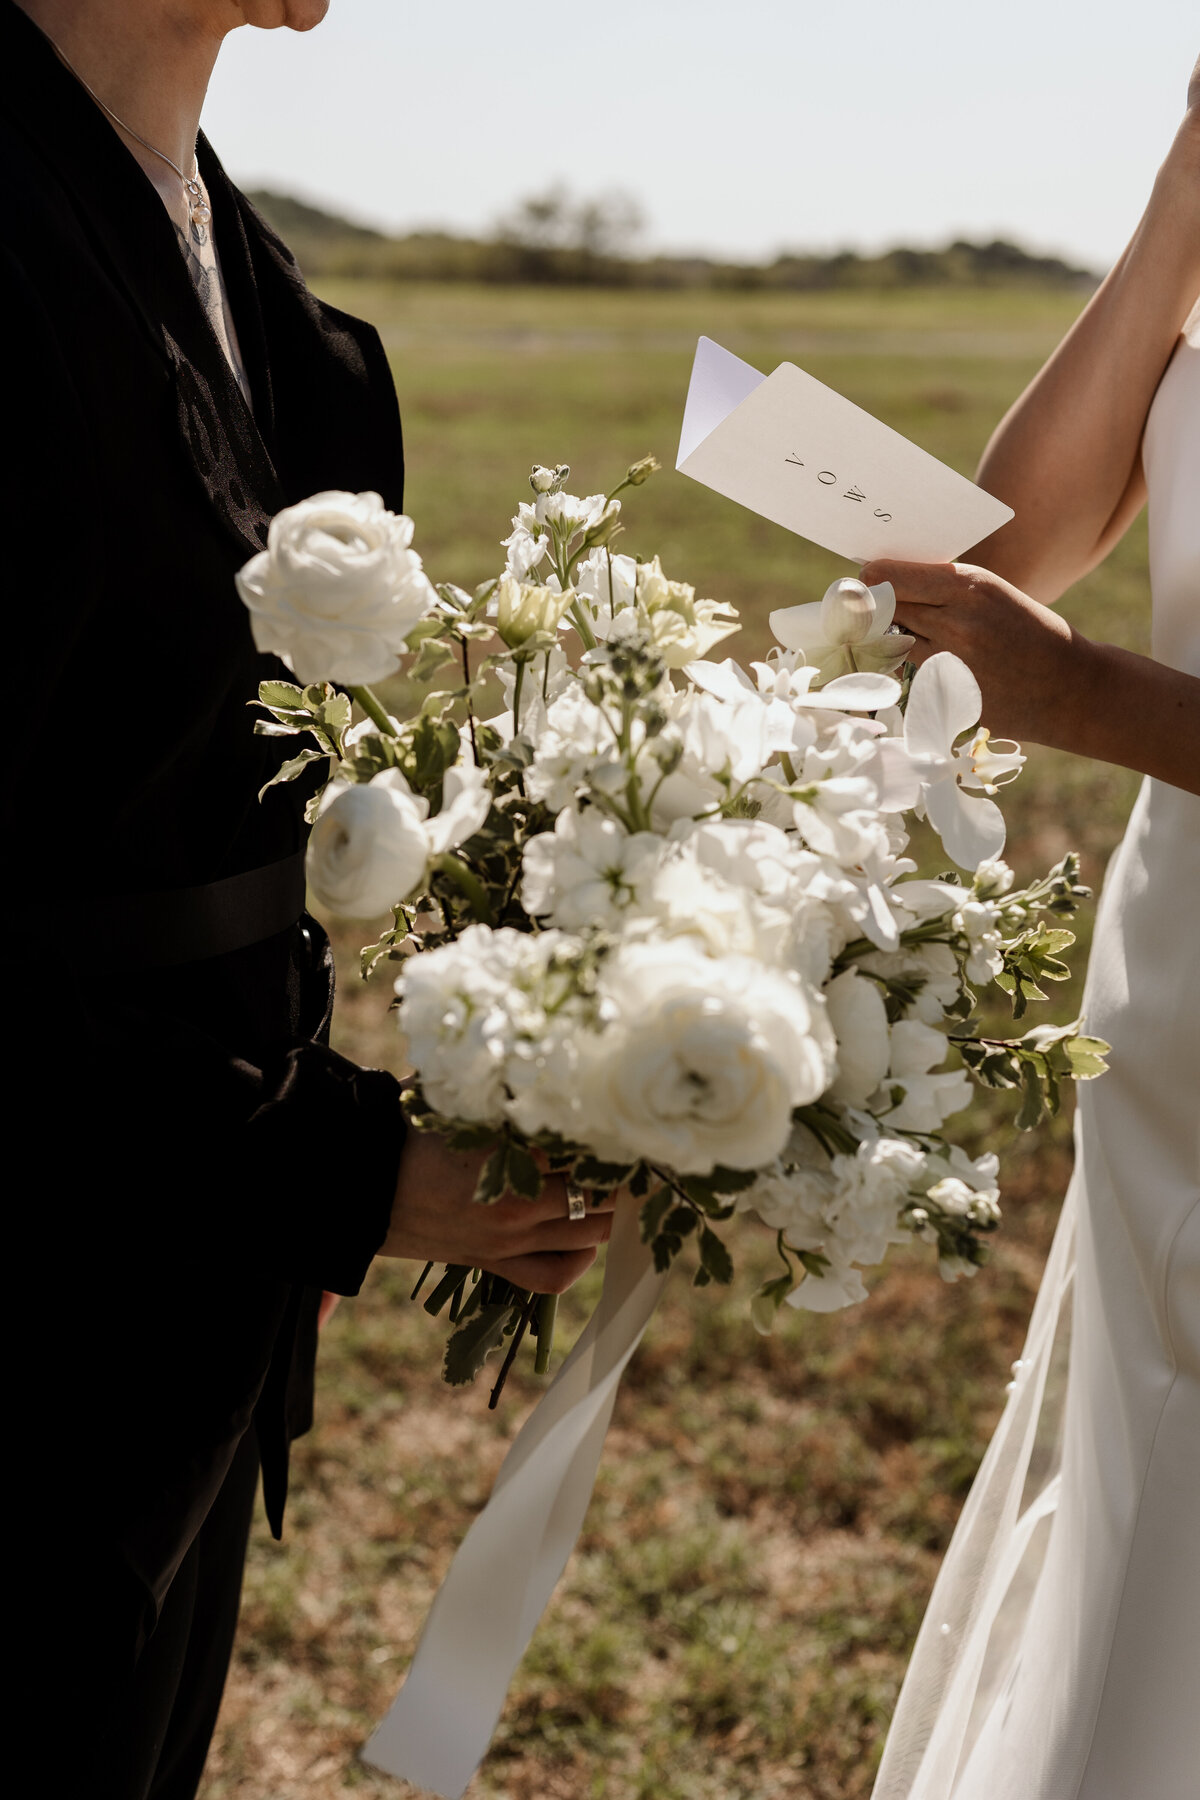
<point x="653" y="916"/>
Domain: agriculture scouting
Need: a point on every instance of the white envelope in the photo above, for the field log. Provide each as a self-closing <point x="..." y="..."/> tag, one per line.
<point x="793" y="450"/>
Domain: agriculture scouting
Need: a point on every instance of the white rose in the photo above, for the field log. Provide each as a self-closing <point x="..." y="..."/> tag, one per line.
<point x="702" y="1059"/>
<point x="337" y="590"/>
<point x="368" y="849"/>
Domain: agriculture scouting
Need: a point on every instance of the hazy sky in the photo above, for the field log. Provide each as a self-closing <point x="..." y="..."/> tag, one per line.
<point x="740" y="125"/>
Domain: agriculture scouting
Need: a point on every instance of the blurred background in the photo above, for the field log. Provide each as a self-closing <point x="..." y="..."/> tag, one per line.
<point x="541" y="209"/>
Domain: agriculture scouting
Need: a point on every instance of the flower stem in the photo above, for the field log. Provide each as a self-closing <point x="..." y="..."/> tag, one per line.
<point x="581" y="625"/>
<point x="468" y="884"/>
<point x="547" y="1313"/>
<point x="518" y="1334"/>
<point x="517" y="686"/>
<point x="373" y="709"/>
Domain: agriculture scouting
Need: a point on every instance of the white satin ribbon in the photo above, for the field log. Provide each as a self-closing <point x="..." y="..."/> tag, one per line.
<point x="486" y="1610"/>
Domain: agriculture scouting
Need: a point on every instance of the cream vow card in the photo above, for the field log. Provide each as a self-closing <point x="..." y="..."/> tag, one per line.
<point x="791" y="449"/>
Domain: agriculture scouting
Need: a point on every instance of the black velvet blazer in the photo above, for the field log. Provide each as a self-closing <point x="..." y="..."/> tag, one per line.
<point x="205" y="1164"/>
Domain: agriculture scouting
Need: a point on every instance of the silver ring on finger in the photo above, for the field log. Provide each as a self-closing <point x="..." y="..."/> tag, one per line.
<point x="576" y="1203"/>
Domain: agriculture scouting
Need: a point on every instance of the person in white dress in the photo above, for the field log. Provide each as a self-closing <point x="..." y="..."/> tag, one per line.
<point x="1060" y="1655"/>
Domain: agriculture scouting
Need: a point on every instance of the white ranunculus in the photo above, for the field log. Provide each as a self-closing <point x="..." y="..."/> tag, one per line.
<point x="840" y="1286"/>
<point x="368" y="849"/>
<point x="372" y="843"/>
<point x="337" y="590"/>
<point x="587" y="871"/>
<point x="702" y="1059"/>
<point x="859" y="1019"/>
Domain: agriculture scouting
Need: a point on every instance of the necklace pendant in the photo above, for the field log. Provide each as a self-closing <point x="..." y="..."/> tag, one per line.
<point x="199" y="213"/>
<point x="199" y="216"/>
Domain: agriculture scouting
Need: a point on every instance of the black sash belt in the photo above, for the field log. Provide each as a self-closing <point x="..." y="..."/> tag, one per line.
<point x="182" y="925"/>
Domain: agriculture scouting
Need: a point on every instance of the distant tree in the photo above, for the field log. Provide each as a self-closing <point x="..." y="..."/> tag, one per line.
<point x="605" y="225"/>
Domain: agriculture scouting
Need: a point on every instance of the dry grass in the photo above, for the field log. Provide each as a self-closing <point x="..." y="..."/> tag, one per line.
<point x="769" y="1513"/>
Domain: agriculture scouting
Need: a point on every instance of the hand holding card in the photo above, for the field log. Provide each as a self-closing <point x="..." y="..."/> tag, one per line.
<point x="796" y="452"/>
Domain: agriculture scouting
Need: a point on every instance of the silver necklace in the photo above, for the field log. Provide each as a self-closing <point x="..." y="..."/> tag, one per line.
<point x="199" y="212"/>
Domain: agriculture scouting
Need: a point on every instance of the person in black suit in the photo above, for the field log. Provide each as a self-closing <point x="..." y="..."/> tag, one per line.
<point x="196" y="1164"/>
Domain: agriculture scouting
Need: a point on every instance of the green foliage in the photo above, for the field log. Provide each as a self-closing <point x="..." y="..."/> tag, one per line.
<point x="468" y="1348"/>
<point x="1035" y="1063"/>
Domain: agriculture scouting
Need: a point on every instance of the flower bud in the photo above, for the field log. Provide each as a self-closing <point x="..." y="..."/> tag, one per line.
<point x="642" y="470"/>
<point x="548" y="481"/>
<point x="524" y="609"/>
<point x="847" y="611"/>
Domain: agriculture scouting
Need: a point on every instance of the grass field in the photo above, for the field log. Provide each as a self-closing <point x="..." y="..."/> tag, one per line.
<point x="770" y="1513"/>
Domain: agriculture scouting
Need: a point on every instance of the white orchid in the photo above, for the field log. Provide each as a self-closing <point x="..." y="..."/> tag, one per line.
<point x="848" y="631"/>
<point x="944" y="703"/>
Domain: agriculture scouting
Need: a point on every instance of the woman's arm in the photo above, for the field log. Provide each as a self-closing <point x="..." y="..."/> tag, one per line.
<point x="1045" y="683"/>
<point x="1067" y="456"/>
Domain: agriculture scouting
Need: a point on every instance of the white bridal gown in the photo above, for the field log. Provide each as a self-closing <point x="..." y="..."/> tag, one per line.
<point x="1060" y="1656"/>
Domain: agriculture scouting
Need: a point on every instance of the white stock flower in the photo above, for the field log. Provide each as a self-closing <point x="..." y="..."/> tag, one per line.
<point x="927" y="1096"/>
<point x="574" y="737"/>
<point x="702" y="1059"/>
<point x="934" y="966"/>
<point x="465" y="1007"/>
<point x="526" y="543"/>
<point x="978" y="922"/>
<point x="337" y="590"/>
<point x="847" y="631"/>
<point x="587" y="871"/>
<point x="992" y="879"/>
<point x="944" y="702"/>
<point x="607" y="585"/>
<point x="372" y="842"/>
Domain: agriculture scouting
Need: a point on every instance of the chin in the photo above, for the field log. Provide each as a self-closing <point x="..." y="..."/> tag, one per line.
<point x="293" y="15"/>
